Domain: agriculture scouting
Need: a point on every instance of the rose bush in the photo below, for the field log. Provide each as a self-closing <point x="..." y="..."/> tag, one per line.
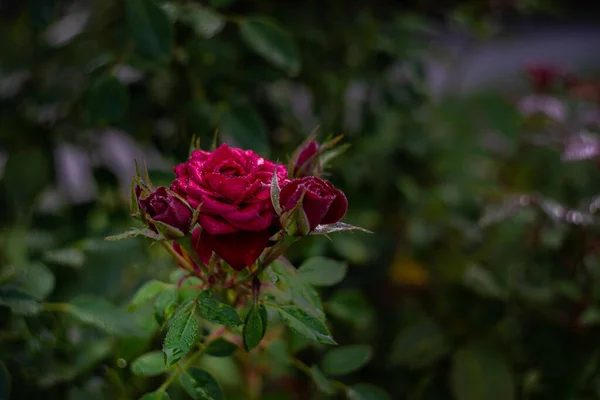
<point x="232" y="188"/>
<point x="321" y="203"/>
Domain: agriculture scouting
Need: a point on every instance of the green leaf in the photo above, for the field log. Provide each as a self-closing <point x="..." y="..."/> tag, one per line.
<point x="150" y="28"/>
<point x="366" y="391"/>
<point x="272" y="42"/>
<point x="149" y="364"/>
<point x="147" y="292"/>
<point x="159" y="395"/>
<point x="483" y="282"/>
<point x="323" y="383"/>
<point x="346" y="359"/>
<point x="37" y="280"/>
<point x="165" y="304"/>
<point x="218" y="312"/>
<point x="306" y="297"/>
<point x="351" y="306"/>
<point x="18" y="301"/>
<point x="322" y="271"/>
<point x="305" y="324"/>
<point x="200" y="385"/>
<point x="275" y="191"/>
<point x="5" y="382"/>
<point x="337" y="227"/>
<point x="255" y="326"/>
<point x="220" y="348"/>
<point x="419" y="345"/>
<point x="205" y="22"/>
<point x="481" y="373"/>
<point x="105" y="315"/>
<point x="181" y="336"/>
<point x="247" y="128"/>
<point x="108" y="100"/>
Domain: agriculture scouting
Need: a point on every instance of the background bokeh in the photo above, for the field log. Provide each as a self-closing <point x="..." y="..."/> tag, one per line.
<point x="472" y="131"/>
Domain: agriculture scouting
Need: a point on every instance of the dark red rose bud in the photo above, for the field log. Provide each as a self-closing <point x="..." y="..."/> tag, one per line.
<point x="321" y="202"/>
<point x="542" y="76"/>
<point x="238" y="249"/>
<point x="165" y="208"/>
<point x="307" y="162"/>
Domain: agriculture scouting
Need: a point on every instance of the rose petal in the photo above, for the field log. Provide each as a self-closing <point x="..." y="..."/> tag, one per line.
<point x="337" y="210"/>
<point x="203" y="251"/>
<point x="238" y="249"/>
<point x="215" y="225"/>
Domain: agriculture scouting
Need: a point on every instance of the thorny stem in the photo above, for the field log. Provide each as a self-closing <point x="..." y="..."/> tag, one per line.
<point x="178" y="257"/>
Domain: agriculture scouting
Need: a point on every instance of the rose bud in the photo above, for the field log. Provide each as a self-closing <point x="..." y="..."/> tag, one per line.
<point x="166" y="213"/>
<point x="543" y="76"/>
<point x="308" y="202"/>
<point x="307" y="163"/>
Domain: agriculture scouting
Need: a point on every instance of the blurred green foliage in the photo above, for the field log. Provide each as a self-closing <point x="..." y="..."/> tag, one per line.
<point x="450" y="307"/>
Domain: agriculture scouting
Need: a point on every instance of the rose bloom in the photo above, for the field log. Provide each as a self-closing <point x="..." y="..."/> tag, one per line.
<point x="322" y="203"/>
<point x="232" y="188"/>
<point x="162" y="206"/>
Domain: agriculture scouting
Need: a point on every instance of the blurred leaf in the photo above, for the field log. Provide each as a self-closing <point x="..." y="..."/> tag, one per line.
<point x="365" y="391"/>
<point x="37" y="280"/>
<point x="200" y="385"/>
<point x="481" y="373"/>
<point x="272" y="42"/>
<point x="419" y="345"/>
<point x="218" y="312"/>
<point x="69" y="257"/>
<point x="108" y="100"/>
<point x="181" y="336"/>
<point x="352" y="249"/>
<point x="408" y="271"/>
<point x="590" y="316"/>
<point x="483" y="282"/>
<point x="26" y="174"/>
<point x="105" y="315"/>
<point x="351" y="306"/>
<point x="220" y="348"/>
<point x="322" y="271"/>
<point x="255" y="326"/>
<point x="323" y="383"/>
<point x="220" y="3"/>
<point x="5" y="383"/>
<point x="346" y="359"/>
<point x="305" y="324"/>
<point x="147" y="292"/>
<point x="204" y="21"/>
<point x="19" y="302"/>
<point x="247" y="128"/>
<point x="87" y="357"/>
<point x="150" y="28"/>
<point x="155" y="396"/>
<point x="149" y="364"/>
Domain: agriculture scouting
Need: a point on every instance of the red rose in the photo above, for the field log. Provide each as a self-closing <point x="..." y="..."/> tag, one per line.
<point x="166" y="208"/>
<point x="307" y="161"/>
<point x="233" y="188"/>
<point x="322" y="203"/>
